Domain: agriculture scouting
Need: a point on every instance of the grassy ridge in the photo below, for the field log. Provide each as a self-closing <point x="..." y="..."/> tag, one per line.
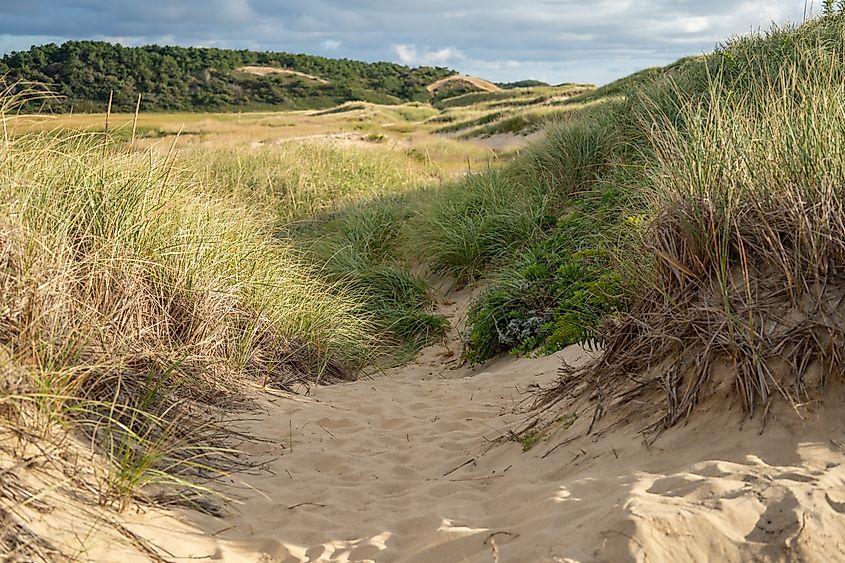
<point x="665" y="188"/>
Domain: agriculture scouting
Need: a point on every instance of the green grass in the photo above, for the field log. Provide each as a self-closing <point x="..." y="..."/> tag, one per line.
<point x="469" y="225"/>
<point x="361" y="247"/>
<point x="736" y="257"/>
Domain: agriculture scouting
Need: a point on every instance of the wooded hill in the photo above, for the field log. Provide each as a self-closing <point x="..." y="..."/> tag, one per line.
<point x="84" y="73"/>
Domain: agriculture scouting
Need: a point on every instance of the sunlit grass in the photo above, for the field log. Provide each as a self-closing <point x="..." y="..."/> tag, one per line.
<point x="133" y="292"/>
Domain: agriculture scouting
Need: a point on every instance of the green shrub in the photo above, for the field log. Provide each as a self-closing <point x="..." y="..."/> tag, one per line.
<point x="560" y="290"/>
<point x="470" y="225"/>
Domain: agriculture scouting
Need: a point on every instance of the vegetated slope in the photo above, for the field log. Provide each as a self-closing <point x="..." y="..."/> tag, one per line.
<point x="138" y="304"/>
<point x="687" y="217"/>
<point x="204" y="79"/>
<point x="740" y="280"/>
<point x="516" y="111"/>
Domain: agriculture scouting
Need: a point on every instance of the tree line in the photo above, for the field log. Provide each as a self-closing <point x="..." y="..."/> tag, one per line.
<point x="84" y="74"/>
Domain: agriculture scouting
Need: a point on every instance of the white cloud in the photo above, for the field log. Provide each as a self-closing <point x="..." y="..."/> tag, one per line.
<point x="502" y="40"/>
<point x="235" y="11"/>
<point x="409" y="55"/>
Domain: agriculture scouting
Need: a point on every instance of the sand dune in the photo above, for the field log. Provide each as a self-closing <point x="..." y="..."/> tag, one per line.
<point x="416" y="466"/>
<point x="475" y="82"/>
<point x="265" y="70"/>
<point x="506" y="141"/>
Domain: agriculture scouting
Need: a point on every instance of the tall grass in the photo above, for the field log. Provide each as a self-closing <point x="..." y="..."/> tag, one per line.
<point x="300" y="180"/>
<point x="469" y="225"/>
<point x="743" y="154"/>
<point x="365" y="247"/>
<point x="132" y="301"/>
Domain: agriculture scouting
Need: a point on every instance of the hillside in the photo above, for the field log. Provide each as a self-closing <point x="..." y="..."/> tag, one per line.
<point x="84" y="73"/>
<point x="458" y="84"/>
<point x="358" y="334"/>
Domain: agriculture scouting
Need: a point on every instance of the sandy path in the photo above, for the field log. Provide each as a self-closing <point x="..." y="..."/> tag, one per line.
<point x="404" y="468"/>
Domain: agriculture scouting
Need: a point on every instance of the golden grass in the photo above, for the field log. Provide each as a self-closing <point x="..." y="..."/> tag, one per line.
<point x="135" y="299"/>
<point x="478" y="83"/>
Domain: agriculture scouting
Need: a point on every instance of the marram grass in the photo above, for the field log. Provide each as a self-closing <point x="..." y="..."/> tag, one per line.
<point x="132" y="301"/>
<point x="741" y="295"/>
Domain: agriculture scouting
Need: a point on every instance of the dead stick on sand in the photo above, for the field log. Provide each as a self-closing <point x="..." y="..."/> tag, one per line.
<point x="477" y="478"/>
<point x="467" y="462"/>
<point x="495" y="550"/>
<point x="306" y="504"/>
<point x="569" y="441"/>
<point x="493" y="545"/>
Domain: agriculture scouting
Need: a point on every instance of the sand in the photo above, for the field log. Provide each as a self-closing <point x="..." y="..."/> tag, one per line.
<point x="415" y="465"/>
<point x="265" y="70"/>
<point x="478" y="83"/>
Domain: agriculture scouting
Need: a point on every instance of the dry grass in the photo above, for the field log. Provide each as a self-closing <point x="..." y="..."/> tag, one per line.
<point x="135" y="305"/>
<point x="475" y="82"/>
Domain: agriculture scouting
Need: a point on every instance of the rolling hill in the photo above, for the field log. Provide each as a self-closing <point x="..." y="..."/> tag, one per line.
<point x="86" y="73"/>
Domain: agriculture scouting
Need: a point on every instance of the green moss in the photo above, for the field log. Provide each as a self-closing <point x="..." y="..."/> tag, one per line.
<point x="530" y="439"/>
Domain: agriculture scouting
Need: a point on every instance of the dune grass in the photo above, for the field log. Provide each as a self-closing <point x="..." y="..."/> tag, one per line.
<point x="135" y="303"/>
<point x="300" y="180"/>
<point x="467" y="226"/>
<point x="363" y="247"/>
<point x="688" y="218"/>
<point x="741" y="253"/>
<point x="708" y="177"/>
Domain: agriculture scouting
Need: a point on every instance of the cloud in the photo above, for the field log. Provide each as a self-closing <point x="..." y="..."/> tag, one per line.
<point x="409" y="55"/>
<point x="503" y="40"/>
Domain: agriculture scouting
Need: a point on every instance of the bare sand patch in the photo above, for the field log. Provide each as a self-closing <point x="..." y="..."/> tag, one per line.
<point x="266" y="70"/>
<point x="418" y="465"/>
<point x="474" y="81"/>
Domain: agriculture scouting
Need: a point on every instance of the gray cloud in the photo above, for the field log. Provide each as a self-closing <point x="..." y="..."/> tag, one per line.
<point x="553" y="40"/>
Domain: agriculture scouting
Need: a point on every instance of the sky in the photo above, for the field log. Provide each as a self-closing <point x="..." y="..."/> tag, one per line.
<point x="593" y="41"/>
